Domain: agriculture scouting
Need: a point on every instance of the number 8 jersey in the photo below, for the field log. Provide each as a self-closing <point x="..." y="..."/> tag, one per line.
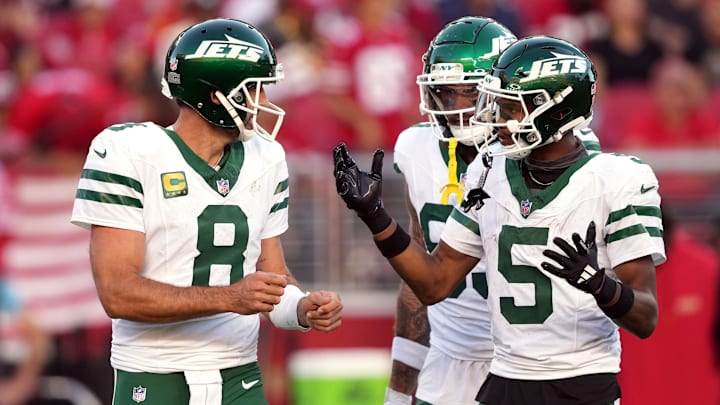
<point x="202" y="228"/>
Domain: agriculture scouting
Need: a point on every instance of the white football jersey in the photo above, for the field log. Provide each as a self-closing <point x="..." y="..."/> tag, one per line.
<point x="460" y="324"/>
<point x="544" y="328"/>
<point x="202" y="227"/>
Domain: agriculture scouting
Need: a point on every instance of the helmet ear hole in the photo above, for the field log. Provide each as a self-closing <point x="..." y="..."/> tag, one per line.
<point x="562" y="114"/>
<point x="214" y="98"/>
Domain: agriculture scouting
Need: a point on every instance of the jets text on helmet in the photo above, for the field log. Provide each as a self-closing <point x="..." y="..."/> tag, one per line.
<point x="231" y="49"/>
<point x="553" y="66"/>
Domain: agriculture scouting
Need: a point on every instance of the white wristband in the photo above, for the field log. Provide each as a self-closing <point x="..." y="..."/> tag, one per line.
<point x="393" y="397"/>
<point x="284" y="315"/>
<point x="408" y="352"/>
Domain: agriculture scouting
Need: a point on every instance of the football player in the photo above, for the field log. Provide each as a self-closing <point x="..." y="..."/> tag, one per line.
<point x="185" y="228"/>
<point x="433" y="158"/>
<point x="570" y="239"/>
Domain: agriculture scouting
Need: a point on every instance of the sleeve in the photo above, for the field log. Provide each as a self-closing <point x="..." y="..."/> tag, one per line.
<point x="400" y="160"/>
<point x="634" y="225"/>
<point x="277" y="222"/>
<point x="462" y="233"/>
<point x="110" y="191"/>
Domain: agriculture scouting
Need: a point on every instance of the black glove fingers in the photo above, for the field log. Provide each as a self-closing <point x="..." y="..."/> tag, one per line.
<point x="349" y="162"/>
<point x="552" y="269"/>
<point x="377" y="164"/>
<point x="343" y="182"/>
<point x="342" y="157"/>
<point x="590" y="236"/>
<point x="580" y="245"/>
<point x="563" y="261"/>
<point x="565" y="247"/>
<point x="338" y="159"/>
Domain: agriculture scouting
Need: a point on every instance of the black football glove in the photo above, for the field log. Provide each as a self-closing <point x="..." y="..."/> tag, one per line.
<point x="361" y="191"/>
<point x="579" y="266"/>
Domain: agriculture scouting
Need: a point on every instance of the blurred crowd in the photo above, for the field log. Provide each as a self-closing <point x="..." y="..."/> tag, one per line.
<point x="69" y="68"/>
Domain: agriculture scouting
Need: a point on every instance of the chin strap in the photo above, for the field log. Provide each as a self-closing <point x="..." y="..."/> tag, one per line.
<point x="453" y="186"/>
<point x="243" y="134"/>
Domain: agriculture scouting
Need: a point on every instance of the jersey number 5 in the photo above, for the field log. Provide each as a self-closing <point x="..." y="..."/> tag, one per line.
<point x="515" y="273"/>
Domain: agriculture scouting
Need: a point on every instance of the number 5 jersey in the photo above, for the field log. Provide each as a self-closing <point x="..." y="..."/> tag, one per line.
<point x="544" y="328"/>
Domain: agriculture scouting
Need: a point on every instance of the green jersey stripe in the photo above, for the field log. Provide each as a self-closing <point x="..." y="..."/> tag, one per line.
<point x="112" y="178"/>
<point x="280" y="205"/>
<point x="108" y="198"/>
<point x="592" y="146"/>
<point x="282" y="186"/>
<point x="633" y="209"/>
<point x="632" y="231"/>
<point x="463" y="220"/>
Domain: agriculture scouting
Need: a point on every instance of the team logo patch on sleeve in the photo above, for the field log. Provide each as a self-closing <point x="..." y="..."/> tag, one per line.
<point x="174" y="184"/>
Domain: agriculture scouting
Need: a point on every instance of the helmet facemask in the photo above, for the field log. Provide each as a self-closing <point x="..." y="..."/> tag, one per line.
<point x="496" y="104"/>
<point x="441" y="91"/>
<point x="459" y="56"/>
<point x="246" y="102"/>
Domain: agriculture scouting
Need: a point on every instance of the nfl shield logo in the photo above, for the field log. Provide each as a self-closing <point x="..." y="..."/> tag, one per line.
<point x="525" y="207"/>
<point x="139" y="394"/>
<point x="223" y="186"/>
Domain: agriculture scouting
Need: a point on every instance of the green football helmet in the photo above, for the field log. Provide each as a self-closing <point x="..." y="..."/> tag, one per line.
<point x="231" y="60"/>
<point x="459" y="56"/>
<point x="551" y="80"/>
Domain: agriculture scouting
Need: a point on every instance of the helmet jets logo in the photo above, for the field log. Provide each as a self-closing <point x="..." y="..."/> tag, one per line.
<point x="560" y="64"/>
<point x="231" y="49"/>
<point x="498" y="45"/>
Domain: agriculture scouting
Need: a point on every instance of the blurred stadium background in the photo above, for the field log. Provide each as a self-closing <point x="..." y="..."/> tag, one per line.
<point x="68" y="68"/>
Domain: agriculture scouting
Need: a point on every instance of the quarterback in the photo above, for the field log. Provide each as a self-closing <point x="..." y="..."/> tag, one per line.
<point x="185" y="228"/>
<point x="570" y="239"/>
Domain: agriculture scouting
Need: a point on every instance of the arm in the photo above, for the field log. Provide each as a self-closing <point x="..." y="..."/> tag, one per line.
<point x="642" y="317"/>
<point x="319" y="310"/>
<point x="22" y="384"/>
<point x="412" y="329"/>
<point x="116" y="257"/>
<point x="431" y="277"/>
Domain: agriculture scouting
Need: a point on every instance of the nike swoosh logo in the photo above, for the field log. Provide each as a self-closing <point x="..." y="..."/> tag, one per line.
<point x="101" y="154"/>
<point x="644" y="189"/>
<point x="247" y="386"/>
